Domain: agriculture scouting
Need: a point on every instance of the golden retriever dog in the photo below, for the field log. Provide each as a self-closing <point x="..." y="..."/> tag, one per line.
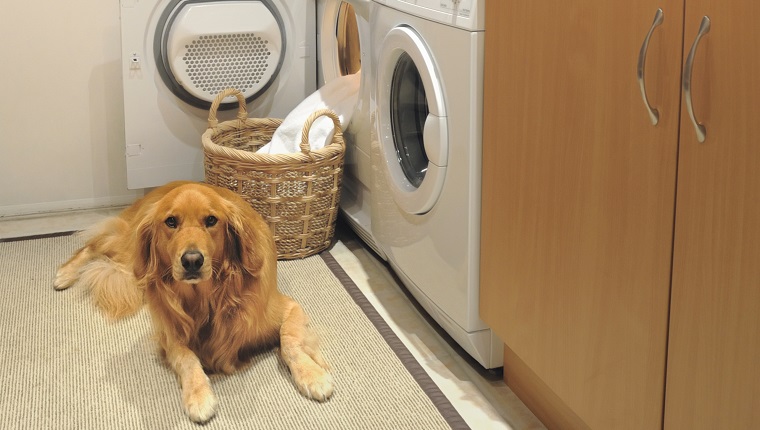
<point x="205" y="263"/>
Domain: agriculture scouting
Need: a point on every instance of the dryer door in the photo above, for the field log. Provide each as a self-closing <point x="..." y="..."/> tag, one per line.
<point x="204" y="47"/>
<point x="342" y="44"/>
<point x="412" y="122"/>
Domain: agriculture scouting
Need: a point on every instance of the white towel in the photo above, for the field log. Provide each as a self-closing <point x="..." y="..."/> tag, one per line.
<point x="340" y="95"/>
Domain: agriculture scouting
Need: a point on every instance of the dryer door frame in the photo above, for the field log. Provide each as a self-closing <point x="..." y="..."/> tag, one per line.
<point x="331" y="32"/>
<point x="400" y="45"/>
<point x="164" y="69"/>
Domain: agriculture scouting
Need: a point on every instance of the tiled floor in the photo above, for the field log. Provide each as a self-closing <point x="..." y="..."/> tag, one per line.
<point x="480" y="396"/>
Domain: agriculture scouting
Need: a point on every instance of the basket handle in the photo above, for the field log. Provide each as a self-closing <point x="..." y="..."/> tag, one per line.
<point x="305" y="147"/>
<point x="242" y="110"/>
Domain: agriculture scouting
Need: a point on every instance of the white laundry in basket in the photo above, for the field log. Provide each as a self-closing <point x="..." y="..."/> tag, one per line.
<point x="340" y="95"/>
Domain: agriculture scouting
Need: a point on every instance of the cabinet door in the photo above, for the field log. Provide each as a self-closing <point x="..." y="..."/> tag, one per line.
<point x="578" y="199"/>
<point x="714" y="346"/>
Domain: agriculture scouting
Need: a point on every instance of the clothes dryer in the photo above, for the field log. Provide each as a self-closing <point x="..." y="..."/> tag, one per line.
<point x="177" y="55"/>
<point x="426" y="110"/>
<point x="343" y="30"/>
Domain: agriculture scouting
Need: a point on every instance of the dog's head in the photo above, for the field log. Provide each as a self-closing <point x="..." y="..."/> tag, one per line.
<point x="194" y="232"/>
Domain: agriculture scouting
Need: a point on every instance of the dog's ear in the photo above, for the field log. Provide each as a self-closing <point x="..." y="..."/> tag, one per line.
<point x="248" y="240"/>
<point x="146" y="259"/>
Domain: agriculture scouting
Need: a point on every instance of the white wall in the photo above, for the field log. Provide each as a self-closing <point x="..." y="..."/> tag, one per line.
<point x="61" y="115"/>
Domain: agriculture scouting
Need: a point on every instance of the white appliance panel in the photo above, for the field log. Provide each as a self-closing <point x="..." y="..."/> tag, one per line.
<point x="356" y="193"/>
<point x="436" y="253"/>
<point x="466" y="14"/>
<point x="162" y="131"/>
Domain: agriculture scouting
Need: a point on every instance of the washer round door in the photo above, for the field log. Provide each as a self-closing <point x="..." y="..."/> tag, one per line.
<point x="412" y="123"/>
<point x="204" y="47"/>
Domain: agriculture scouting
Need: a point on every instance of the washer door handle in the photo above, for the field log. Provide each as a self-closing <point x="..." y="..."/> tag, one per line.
<point x="435" y="138"/>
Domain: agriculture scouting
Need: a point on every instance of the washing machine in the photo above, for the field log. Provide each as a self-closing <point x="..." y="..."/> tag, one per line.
<point x="426" y="142"/>
<point x="343" y="40"/>
<point x="177" y="55"/>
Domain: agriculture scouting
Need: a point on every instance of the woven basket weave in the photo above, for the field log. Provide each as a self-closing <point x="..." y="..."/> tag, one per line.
<point x="297" y="194"/>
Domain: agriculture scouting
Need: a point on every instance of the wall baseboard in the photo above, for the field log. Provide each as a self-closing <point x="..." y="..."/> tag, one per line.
<point x="67" y="206"/>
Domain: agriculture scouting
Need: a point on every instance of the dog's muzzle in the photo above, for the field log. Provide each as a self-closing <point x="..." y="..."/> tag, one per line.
<point x="192" y="262"/>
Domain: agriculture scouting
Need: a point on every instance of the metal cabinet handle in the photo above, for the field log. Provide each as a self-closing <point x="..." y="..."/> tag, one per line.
<point x="654" y="115"/>
<point x="704" y="28"/>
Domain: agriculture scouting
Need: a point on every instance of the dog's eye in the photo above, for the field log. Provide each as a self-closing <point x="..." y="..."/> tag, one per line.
<point x="211" y="221"/>
<point x="171" y="222"/>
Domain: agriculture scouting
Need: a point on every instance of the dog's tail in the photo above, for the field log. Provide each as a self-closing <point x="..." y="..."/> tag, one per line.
<point x="113" y="288"/>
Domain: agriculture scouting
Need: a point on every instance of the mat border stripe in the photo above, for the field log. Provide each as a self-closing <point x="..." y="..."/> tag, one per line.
<point x="36" y="236"/>
<point x="427" y="385"/>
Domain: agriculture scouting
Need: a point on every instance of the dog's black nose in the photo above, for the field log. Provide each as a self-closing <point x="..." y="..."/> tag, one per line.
<point x="192" y="261"/>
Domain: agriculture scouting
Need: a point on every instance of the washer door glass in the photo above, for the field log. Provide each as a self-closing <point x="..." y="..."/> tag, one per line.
<point x="409" y="111"/>
<point x="411" y="121"/>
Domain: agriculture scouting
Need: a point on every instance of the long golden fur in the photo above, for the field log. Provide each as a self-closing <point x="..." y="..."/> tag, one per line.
<point x="205" y="263"/>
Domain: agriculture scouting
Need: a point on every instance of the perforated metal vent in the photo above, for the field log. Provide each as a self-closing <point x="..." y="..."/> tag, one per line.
<point x="216" y="62"/>
<point x="206" y="46"/>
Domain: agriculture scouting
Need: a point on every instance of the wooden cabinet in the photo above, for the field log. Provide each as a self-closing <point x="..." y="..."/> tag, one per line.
<point x="620" y="261"/>
<point x="713" y="377"/>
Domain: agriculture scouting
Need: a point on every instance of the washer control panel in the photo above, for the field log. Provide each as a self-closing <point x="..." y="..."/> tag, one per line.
<point x="466" y="14"/>
<point x="453" y="7"/>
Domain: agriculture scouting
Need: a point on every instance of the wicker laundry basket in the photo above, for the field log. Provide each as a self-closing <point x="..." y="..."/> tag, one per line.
<point x="297" y="194"/>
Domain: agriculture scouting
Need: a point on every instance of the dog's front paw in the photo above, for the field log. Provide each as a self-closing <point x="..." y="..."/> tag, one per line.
<point x="64" y="278"/>
<point x="200" y="403"/>
<point x="314" y="382"/>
